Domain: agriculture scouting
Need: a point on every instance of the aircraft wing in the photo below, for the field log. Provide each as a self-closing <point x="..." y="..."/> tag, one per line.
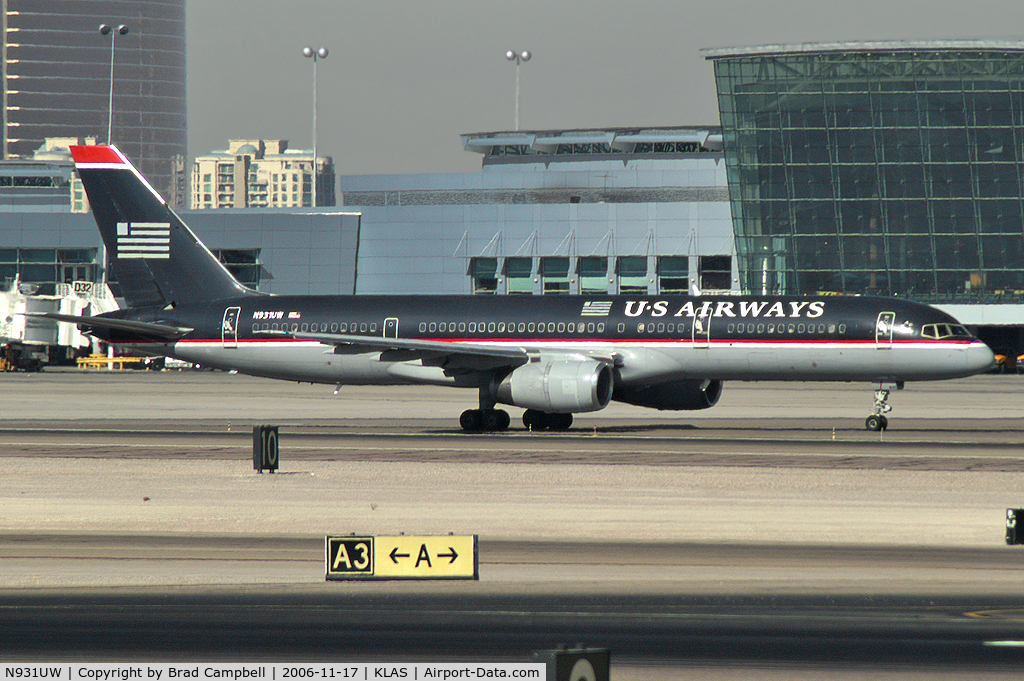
<point x="149" y="329"/>
<point x="454" y="358"/>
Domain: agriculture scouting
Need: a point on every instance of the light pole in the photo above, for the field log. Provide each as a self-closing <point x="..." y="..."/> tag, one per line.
<point x="314" y="55"/>
<point x="112" y="32"/>
<point x="512" y="55"/>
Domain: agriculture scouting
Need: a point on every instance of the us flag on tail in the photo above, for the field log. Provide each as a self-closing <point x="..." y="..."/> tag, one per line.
<point x="151" y="240"/>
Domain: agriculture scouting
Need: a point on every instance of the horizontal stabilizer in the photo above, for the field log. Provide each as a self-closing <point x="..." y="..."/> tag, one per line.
<point x="148" y="329"/>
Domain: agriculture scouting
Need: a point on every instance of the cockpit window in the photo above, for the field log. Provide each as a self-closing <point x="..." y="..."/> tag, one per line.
<point x="944" y="331"/>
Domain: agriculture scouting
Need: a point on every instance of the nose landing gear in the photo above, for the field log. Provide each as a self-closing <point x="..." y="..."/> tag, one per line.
<point x="877" y="421"/>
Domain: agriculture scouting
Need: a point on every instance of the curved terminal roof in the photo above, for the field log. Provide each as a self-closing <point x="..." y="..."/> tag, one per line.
<point x="593" y="141"/>
<point x="868" y="46"/>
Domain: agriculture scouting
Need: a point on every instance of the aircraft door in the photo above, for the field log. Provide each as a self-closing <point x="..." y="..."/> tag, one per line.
<point x="883" y="330"/>
<point x="391" y="327"/>
<point x="702" y="327"/>
<point x="229" y="327"/>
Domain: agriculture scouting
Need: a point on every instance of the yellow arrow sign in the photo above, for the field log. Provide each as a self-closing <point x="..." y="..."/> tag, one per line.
<point x="402" y="557"/>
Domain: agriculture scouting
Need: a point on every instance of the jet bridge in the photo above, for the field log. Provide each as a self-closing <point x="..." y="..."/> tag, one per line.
<point x="29" y="343"/>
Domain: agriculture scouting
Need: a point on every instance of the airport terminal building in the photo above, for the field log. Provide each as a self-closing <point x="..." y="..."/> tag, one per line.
<point x="553" y="212"/>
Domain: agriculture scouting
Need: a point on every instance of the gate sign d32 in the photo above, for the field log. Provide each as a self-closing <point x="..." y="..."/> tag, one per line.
<point x="402" y="557"/>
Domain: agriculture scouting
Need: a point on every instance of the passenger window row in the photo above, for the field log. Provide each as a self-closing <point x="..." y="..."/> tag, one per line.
<point x="511" y="327"/>
<point x="660" y="327"/>
<point x="779" y="329"/>
<point x="439" y="327"/>
<point x="334" y="327"/>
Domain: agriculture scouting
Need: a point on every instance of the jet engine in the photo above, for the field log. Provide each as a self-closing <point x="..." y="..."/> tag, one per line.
<point x="558" y="386"/>
<point x="685" y="395"/>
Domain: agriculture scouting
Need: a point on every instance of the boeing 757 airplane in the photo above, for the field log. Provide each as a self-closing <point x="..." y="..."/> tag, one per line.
<point x="550" y="355"/>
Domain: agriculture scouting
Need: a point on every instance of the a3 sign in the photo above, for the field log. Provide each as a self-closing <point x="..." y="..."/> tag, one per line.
<point x="402" y="557"/>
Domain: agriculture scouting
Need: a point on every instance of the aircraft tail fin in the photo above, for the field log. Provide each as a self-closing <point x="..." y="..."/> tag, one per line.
<point x="157" y="259"/>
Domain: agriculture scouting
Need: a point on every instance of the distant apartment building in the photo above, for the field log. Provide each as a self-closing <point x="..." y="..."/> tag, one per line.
<point x="261" y="174"/>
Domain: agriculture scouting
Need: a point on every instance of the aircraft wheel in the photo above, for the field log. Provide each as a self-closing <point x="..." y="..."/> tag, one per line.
<point x="534" y="420"/>
<point x="559" y="421"/>
<point x="874" y="422"/>
<point x="496" y="420"/>
<point x="885" y="423"/>
<point x="472" y="420"/>
<point x="541" y="420"/>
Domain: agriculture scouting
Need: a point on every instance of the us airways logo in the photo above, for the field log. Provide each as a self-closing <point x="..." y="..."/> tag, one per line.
<point x="149" y="240"/>
<point x="727" y="308"/>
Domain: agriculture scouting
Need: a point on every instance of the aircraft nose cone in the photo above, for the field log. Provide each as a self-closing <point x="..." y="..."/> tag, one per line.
<point x="980" y="358"/>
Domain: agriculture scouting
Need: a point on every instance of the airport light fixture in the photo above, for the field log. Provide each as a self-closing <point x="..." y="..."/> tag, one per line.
<point x="113" y="33"/>
<point x="517" y="57"/>
<point x="310" y="53"/>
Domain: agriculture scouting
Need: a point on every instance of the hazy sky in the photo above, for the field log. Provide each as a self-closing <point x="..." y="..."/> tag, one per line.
<point x="406" y="77"/>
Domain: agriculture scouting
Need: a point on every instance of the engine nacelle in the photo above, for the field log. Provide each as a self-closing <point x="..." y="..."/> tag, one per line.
<point x="685" y="395"/>
<point x="561" y="386"/>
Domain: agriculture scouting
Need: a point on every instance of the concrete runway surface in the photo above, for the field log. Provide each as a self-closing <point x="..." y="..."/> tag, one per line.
<point x="771" y="512"/>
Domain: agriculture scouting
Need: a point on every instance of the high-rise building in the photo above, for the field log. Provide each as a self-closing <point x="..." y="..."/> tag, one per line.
<point x="261" y="174"/>
<point x="56" y="80"/>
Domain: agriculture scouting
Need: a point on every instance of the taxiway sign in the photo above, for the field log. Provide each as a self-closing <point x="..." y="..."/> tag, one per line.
<point x="402" y="557"/>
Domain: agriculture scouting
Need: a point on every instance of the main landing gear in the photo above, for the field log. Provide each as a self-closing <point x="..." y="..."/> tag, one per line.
<point x="498" y="420"/>
<point x="540" y="420"/>
<point x="877" y="421"/>
<point x="486" y="419"/>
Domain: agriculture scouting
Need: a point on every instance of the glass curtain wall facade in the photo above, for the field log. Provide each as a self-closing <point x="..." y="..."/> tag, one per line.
<point x="879" y="171"/>
<point x="56" y="69"/>
<point x="47" y="265"/>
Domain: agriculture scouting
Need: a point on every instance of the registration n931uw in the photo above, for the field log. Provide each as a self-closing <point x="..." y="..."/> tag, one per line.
<point x="275" y="672"/>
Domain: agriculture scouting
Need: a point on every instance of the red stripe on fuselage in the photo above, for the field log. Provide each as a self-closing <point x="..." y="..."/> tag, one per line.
<point x="455" y="342"/>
